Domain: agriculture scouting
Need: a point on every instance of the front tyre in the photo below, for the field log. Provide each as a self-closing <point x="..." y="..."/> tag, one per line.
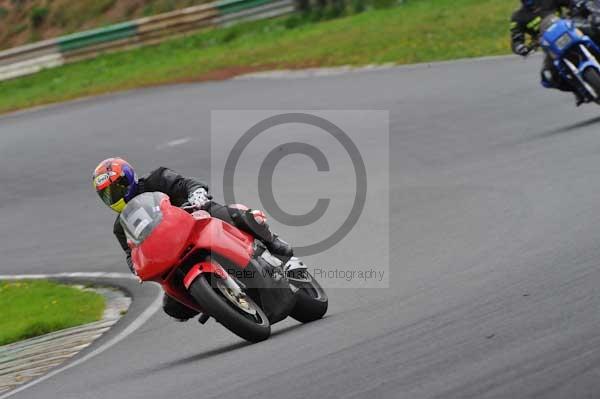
<point x="592" y="77"/>
<point x="241" y="316"/>
<point x="311" y="299"/>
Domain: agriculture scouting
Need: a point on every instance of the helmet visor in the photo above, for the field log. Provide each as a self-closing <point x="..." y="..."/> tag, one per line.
<point x="114" y="192"/>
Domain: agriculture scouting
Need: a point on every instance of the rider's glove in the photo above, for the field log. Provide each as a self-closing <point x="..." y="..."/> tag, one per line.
<point x="130" y="264"/>
<point x="129" y="261"/>
<point x="199" y="198"/>
<point x="522" y="50"/>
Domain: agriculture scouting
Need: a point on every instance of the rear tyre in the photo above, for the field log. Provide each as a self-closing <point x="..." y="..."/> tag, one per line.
<point x="311" y="299"/>
<point x="592" y="77"/>
<point x="246" y="319"/>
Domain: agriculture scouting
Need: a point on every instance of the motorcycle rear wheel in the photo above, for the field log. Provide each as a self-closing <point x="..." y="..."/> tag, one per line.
<point x="236" y="317"/>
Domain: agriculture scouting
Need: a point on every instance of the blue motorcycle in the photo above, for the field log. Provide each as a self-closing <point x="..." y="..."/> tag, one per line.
<point x="574" y="55"/>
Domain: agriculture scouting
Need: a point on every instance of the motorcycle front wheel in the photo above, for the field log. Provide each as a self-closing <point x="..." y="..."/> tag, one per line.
<point x="240" y="315"/>
<point x="592" y="77"/>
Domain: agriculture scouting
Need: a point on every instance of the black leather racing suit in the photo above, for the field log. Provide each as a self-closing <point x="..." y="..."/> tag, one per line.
<point x="179" y="188"/>
<point x="526" y="22"/>
<point x="586" y="16"/>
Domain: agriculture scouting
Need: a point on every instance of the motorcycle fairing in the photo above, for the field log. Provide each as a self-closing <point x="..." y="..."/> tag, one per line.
<point x="219" y="237"/>
<point x="203" y="267"/>
<point x="204" y="244"/>
<point x="162" y="249"/>
<point x="212" y="237"/>
<point x="558" y="30"/>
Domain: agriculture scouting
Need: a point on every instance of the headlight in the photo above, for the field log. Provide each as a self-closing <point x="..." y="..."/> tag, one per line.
<point x="563" y="41"/>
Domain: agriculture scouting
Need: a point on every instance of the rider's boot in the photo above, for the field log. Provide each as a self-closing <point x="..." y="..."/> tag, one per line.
<point x="279" y="247"/>
<point x="274" y="244"/>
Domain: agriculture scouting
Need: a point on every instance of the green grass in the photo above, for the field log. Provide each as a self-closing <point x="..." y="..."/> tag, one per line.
<point x="32" y="308"/>
<point x="416" y="31"/>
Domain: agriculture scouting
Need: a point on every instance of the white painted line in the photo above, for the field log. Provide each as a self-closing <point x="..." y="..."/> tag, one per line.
<point x="313" y="72"/>
<point x="174" y="143"/>
<point x="134" y="325"/>
<point x="67" y="275"/>
<point x="347" y="69"/>
<point x="177" y="142"/>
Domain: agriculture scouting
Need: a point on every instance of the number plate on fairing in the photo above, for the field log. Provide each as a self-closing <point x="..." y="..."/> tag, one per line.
<point x="563" y="41"/>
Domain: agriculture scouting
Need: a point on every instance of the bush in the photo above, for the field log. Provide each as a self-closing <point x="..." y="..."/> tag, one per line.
<point x="333" y="10"/>
<point x="38" y="16"/>
<point x="358" y="6"/>
<point x="230" y="35"/>
<point x="294" y="21"/>
<point x="384" y="3"/>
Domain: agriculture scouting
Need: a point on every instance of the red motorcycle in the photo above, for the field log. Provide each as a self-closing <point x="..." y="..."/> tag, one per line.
<point x="218" y="270"/>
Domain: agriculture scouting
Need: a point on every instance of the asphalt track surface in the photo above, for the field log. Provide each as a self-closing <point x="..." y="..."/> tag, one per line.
<point x="495" y="240"/>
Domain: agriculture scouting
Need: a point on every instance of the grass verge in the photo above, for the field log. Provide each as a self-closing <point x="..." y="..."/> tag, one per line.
<point x="36" y="307"/>
<point x="415" y="31"/>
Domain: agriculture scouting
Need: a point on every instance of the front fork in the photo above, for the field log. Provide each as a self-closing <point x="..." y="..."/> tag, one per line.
<point x="577" y="71"/>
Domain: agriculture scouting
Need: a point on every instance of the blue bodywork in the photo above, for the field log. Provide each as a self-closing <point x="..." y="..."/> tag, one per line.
<point x="558" y="40"/>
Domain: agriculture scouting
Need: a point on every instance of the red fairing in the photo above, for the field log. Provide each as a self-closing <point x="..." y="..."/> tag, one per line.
<point x="224" y="239"/>
<point x="180" y="235"/>
<point x="204" y="267"/>
<point x="163" y="248"/>
<point x="177" y="231"/>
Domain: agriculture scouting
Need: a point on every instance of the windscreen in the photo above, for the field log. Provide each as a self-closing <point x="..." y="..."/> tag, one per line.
<point x="547" y="22"/>
<point x="141" y="215"/>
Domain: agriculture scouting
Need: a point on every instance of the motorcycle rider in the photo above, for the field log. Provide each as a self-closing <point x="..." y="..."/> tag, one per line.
<point x="525" y="22"/>
<point x="584" y="19"/>
<point x="116" y="183"/>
